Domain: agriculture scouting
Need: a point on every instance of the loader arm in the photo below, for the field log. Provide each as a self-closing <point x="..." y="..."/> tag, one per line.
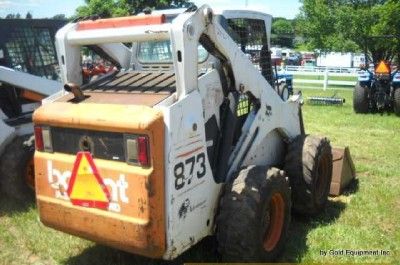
<point x="203" y="26"/>
<point x="185" y="33"/>
<point x="29" y="82"/>
<point x="37" y="87"/>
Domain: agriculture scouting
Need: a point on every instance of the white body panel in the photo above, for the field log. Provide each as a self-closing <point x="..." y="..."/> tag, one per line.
<point x="190" y="201"/>
<point x="125" y="34"/>
<point x="29" y="82"/>
<point x="119" y="52"/>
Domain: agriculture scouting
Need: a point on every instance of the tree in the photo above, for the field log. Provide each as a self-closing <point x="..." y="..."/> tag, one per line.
<point x="116" y="8"/>
<point x="13" y="16"/>
<point x="347" y="25"/>
<point x="60" y="17"/>
<point x="282" y="32"/>
<point x="28" y="15"/>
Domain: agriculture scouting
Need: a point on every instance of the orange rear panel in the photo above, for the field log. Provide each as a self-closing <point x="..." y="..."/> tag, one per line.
<point x="136" y="221"/>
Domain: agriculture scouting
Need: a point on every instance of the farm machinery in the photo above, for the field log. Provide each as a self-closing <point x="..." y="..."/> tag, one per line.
<point x="28" y="74"/>
<point x="184" y="139"/>
<point x="378" y="90"/>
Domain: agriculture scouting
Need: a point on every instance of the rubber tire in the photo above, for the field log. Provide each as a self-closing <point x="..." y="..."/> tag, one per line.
<point x="13" y="165"/>
<point x="306" y="154"/>
<point x="360" y="99"/>
<point x="243" y="207"/>
<point x="396" y="101"/>
<point x="283" y="92"/>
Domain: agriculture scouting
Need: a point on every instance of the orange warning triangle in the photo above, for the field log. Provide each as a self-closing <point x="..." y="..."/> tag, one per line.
<point x="86" y="187"/>
<point x="382" y="68"/>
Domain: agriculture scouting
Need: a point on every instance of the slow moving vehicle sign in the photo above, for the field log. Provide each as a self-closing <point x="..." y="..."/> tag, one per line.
<point x="86" y="188"/>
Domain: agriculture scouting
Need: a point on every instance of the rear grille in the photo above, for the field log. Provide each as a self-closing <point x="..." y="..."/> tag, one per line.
<point x="135" y="82"/>
<point x="103" y="145"/>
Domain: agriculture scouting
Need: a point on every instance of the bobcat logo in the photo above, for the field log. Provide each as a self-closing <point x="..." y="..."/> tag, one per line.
<point x="183" y="210"/>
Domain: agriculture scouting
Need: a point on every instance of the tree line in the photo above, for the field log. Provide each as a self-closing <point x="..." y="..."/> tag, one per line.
<point x="323" y="25"/>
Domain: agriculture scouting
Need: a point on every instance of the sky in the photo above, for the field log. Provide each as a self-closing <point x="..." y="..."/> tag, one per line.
<point x="49" y="8"/>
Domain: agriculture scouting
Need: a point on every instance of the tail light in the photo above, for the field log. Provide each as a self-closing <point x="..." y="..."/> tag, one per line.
<point x="38" y="138"/>
<point x="143" y="157"/>
<point x="43" y="139"/>
<point x="137" y="150"/>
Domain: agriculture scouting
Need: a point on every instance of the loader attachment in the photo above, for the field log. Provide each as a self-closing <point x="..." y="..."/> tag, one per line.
<point x="343" y="170"/>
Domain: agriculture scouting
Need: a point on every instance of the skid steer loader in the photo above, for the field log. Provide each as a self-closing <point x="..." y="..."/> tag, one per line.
<point x="28" y="73"/>
<point x="186" y="139"/>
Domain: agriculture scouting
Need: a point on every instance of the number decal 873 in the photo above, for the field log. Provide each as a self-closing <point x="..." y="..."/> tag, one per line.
<point x="189" y="165"/>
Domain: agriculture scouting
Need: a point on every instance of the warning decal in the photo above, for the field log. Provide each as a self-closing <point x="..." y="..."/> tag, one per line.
<point x="382" y="68"/>
<point x="86" y="188"/>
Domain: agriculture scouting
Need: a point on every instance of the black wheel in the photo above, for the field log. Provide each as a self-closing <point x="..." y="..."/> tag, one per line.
<point x="254" y="216"/>
<point x="283" y="92"/>
<point x="308" y="164"/>
<point x="396" y="101"/>
<point x="360" y="99"/>
<point x="16" y="170"/>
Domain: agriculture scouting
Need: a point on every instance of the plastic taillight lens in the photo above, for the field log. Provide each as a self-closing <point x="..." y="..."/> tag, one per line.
<point x="43" y="139"/>
<point x="46" y="136"/>
<point x="143" y="151"/>
<point x="38" y="138"/>
<point x="131" y="150"/>
<point x="137" y="150"/>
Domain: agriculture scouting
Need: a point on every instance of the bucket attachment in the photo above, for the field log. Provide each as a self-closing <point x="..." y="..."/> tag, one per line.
<point x="343" y="170"/>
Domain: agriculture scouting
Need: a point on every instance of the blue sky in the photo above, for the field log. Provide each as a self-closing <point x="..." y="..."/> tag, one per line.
<point x="49" y="8"/>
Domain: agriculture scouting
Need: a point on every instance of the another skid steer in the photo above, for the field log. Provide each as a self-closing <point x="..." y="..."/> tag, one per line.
<point x="186" y="139"/>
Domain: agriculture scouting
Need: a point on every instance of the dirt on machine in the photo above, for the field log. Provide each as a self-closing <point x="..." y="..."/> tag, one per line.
<point x="184" y="139"/>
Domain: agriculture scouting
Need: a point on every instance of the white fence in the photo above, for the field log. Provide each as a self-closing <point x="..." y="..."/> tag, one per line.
<point x="323" y="74"/>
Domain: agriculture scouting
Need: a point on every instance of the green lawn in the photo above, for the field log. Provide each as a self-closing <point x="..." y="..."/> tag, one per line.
<point x="366" y="217"/>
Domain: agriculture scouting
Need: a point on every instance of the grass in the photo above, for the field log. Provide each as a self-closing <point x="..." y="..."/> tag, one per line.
<point x="366" y="217"/>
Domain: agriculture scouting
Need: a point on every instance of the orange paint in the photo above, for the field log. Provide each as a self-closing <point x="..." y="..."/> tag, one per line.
<point x="138" y="224"/>
<point x="382" y="68"/>
<point x="32" y="95"/>
<point x="121" y="22"/>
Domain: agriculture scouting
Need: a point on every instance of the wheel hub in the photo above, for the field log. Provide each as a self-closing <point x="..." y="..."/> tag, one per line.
<point x="276" y="214"/>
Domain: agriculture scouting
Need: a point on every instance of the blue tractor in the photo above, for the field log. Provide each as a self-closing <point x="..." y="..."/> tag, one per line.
<point x="284" y="85"/>
<point x="378" y="90"/>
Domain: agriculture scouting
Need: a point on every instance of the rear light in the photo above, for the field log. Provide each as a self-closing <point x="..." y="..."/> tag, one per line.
<point x="43" y="139"/>
<point x="137" y="150"/>
<point x="46" y="134"/>
<point x="38" y="138"/>
<point x="143" y="144"/>
<point x="131" y="150"/>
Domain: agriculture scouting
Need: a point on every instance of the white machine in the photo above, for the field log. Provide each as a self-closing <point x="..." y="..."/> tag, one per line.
<point x="185" y="140"/>
<point x="32" y="84"/>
